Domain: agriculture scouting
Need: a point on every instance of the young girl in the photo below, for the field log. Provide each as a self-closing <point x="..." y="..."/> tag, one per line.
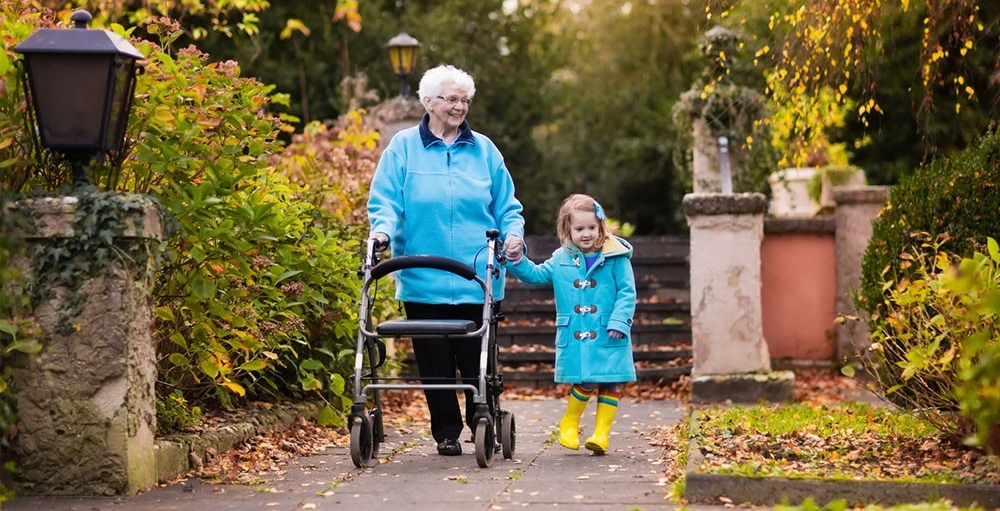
<point x="591" y="275"/>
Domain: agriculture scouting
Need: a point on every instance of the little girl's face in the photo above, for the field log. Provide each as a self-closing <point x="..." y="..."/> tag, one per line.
<point x="584" y="230"/>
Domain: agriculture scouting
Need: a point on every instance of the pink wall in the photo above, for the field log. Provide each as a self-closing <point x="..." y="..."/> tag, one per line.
<point x="798" y="289"/>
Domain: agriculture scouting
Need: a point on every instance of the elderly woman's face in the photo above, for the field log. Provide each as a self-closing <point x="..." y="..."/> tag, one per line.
<point x="451" y="107"/>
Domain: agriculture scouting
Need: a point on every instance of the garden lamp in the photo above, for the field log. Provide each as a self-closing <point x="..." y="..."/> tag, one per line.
<point x="79" y="84"/>
<point x="403" y="50"/>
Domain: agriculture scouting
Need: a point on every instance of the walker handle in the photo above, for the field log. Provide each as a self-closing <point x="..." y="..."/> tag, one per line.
<point x="423" y="261"/>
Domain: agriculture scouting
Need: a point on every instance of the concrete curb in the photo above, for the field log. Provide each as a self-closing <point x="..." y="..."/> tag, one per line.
<point x="770" y="491"/>
<point x="173" y="452"/>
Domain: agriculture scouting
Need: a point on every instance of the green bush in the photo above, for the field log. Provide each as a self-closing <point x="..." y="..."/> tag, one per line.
<point x="256" y="290"/>
<point x="939" y="340"/>
<point x="257" y="299"/>
<point x="956" y="198"/>
<point x="975" y="288"/>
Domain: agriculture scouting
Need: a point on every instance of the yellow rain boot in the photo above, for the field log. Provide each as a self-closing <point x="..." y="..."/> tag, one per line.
<point x="598" y="442"/>
<point x="569" y="426"/>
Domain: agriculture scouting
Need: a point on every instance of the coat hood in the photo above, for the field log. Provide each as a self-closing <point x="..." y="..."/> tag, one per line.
<point x="616" y="246"/>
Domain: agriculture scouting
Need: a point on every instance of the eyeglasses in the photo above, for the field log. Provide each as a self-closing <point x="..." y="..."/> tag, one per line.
<point x="455" y="100"/>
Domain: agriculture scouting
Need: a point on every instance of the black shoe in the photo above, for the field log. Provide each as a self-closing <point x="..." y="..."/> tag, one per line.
<point x="449" y="447"/>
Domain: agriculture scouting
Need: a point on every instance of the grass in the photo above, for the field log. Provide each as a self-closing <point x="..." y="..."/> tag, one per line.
<point x="847" y="441"/>
<point x="839" y="441"/>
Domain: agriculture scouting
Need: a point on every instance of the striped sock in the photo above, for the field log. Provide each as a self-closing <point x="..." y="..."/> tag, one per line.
<point x="580" y="392"/>
<point x="609" y="397"/>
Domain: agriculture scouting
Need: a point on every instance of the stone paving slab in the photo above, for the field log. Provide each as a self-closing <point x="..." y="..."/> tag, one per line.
<point x="411" y="476"/>
<point x="541" y="475"/>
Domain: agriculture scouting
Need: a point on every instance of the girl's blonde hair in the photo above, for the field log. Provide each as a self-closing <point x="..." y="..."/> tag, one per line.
<point x="584" y="203"/>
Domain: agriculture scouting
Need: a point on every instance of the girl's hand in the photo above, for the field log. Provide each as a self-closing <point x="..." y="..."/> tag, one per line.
<point x="615" y="334"/>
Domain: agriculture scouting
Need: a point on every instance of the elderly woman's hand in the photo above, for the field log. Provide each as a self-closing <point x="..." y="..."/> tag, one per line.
<point x="381" y="241"/>
<point x="513" y="248"/>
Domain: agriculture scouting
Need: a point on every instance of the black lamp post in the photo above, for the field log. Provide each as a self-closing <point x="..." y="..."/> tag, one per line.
<point x="79" y="83"/>
<point x="403" y="50"/>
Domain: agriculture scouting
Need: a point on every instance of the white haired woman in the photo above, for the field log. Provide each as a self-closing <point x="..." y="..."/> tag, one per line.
<point x="437" y="189"/>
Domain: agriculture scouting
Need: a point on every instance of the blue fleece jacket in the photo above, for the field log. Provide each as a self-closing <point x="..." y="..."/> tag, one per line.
<point x="432" y="198"/>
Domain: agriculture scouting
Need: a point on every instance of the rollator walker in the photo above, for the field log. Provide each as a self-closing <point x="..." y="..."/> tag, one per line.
<point x="494" y="429"/>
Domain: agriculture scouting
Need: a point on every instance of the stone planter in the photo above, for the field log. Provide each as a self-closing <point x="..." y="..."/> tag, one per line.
<point x="794" y="191"/>
<point x="790" y="192"/>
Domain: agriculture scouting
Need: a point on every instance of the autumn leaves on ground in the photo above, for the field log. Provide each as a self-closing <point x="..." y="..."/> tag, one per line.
<point x="862" y="455"/>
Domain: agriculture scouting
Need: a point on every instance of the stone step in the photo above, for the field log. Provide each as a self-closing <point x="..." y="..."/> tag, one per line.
<point x="663" y="334"/>
<point x="546" y="378"/>
<point x="646" y="290"/>
<point x="545" y="354"/>
<point x="521" y="313"/>
<point x="534" y="368"/>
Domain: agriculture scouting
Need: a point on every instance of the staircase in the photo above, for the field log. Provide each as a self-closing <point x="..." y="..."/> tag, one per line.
<point x="661" y="333"/>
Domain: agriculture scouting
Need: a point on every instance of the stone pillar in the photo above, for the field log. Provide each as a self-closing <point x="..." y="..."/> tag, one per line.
<point x="731" y="359"/>
<point x="394" y="115"/>
<point x="86" y="402"/>
<point x="707" y="176"/>
<point x="856" y="209"/>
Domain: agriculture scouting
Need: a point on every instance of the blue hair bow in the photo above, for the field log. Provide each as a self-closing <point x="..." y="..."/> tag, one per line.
<point x="599" y="211"/>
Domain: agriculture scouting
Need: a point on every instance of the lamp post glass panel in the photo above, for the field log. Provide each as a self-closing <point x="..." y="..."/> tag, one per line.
<point x="403" y="51"/>
<point x="79" y="83"/>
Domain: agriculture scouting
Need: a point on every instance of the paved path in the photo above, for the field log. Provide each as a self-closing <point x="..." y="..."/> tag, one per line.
<point x="412" y="476"/>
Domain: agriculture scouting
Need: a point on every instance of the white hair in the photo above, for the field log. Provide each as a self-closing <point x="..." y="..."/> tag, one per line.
<point x="437" y="78"/>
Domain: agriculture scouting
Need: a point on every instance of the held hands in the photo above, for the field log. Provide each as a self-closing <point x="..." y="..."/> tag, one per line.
<point x="381" y="241"/>
<point x="513" y="248"/>
<point x="615" y="334"/>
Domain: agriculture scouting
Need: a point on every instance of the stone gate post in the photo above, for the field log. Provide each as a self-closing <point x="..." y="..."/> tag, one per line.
<point x="86" y="402"/>
<point x="857" y="207"/>
<point x="731" y="359"/>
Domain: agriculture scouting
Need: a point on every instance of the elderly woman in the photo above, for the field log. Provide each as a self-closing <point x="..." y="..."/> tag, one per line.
<point x="437" y="189"/>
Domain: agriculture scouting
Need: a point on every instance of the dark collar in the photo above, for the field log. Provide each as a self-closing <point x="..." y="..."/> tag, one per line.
<point x="428" y="138"/>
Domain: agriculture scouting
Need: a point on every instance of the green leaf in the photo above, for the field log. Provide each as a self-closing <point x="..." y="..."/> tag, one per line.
<point x="337" y="383"/>
<point x="286" y="275"/>
<point x="309" y="382"/>
<point x="209" y="368"/>
<point x="329" y="417"/>
<point x="196" y="253"/>
<point x="254" y="365"/>
<point x="219" y="309"/>
<point x="310" y="364"/>
<point x="178" y="339"/>
<point x="202" y="289"/>
<point x="29" y="347"/>
<point x="165" y="313"/>
<point x="178" y="360"/>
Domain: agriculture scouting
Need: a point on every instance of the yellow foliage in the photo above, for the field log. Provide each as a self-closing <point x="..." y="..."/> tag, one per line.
<point x="813" y="47"/>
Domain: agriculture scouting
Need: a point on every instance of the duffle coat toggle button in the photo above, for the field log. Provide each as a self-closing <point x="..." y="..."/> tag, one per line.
<point x="584" y="309"/>
<point x="584" y="284"/>
<point x="585" y="335"/>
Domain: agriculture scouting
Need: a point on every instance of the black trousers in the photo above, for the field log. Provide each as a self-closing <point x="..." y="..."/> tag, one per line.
<point x="437" y="359"/>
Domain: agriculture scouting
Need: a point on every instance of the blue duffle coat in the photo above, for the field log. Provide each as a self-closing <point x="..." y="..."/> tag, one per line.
<point x="588" y="304"/>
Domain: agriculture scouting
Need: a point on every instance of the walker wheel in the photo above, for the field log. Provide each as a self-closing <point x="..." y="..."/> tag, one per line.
<point x="508" y="434"/>
<point x="362" y="441"/>
<point x="485" y="443"/>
